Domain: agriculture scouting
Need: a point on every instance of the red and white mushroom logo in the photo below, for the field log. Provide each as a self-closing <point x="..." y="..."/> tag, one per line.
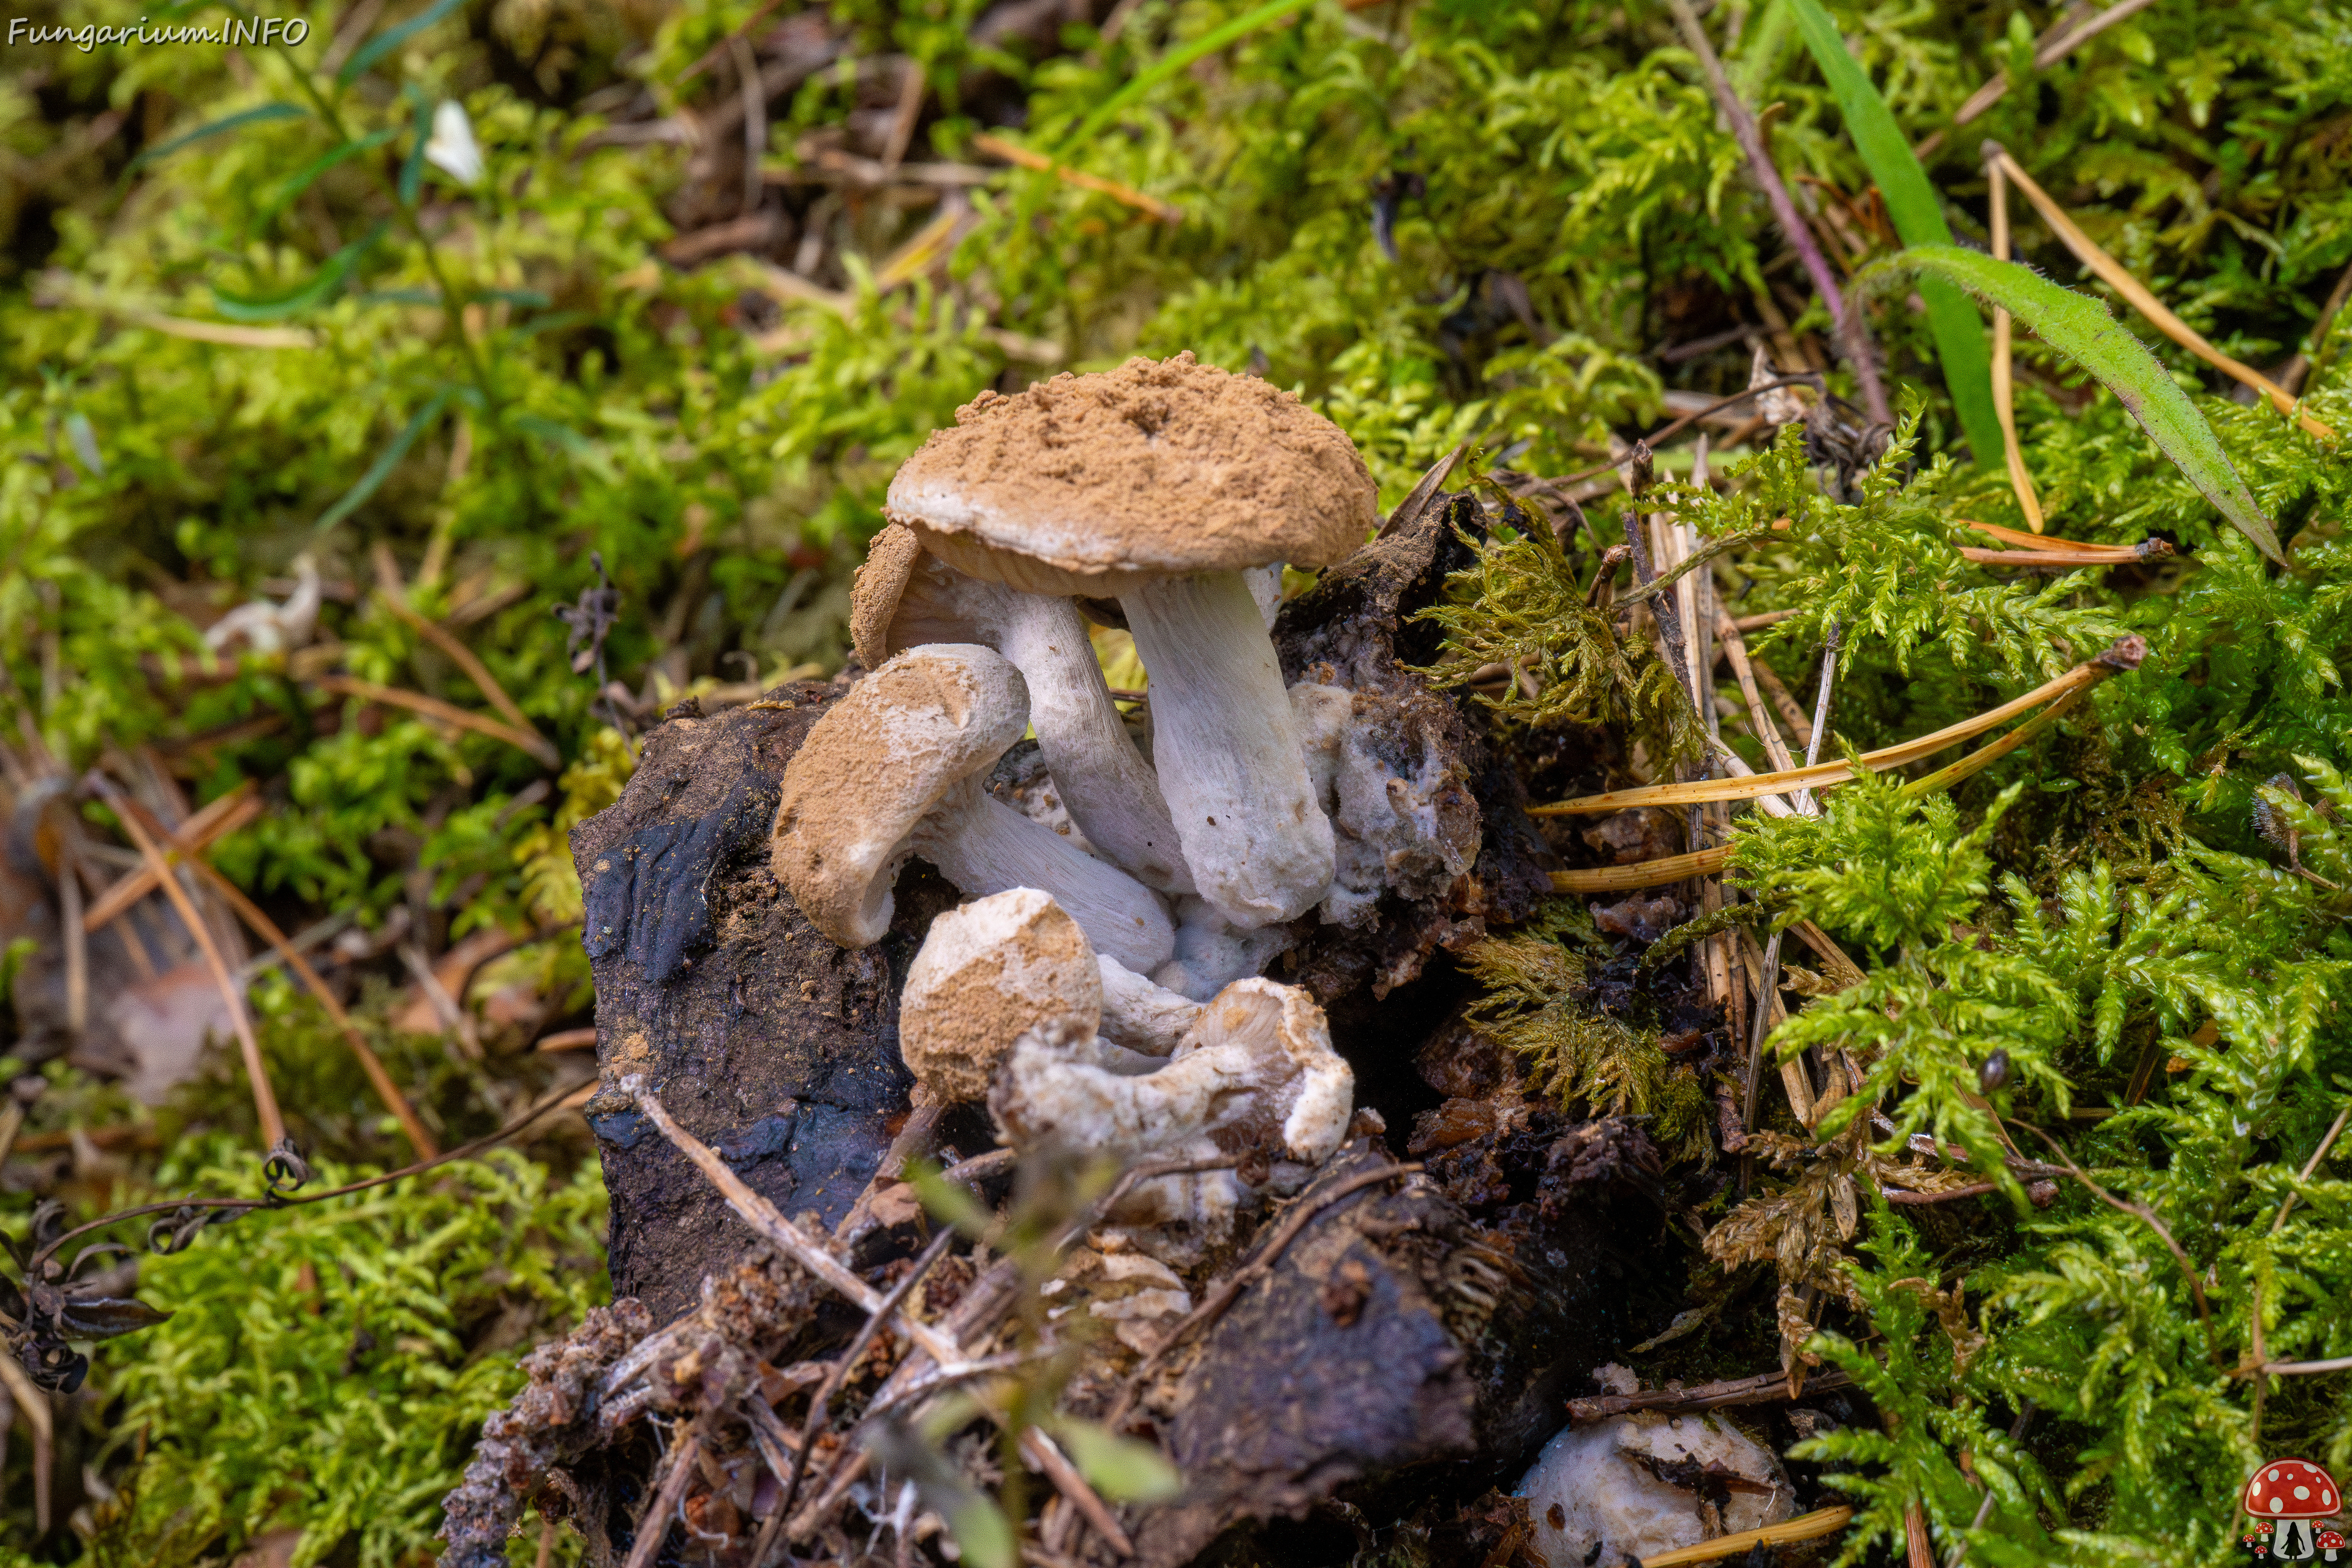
<point x="2294" y="1492"/>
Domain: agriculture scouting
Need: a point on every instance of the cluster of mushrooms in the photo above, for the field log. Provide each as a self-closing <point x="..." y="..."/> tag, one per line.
<point x="1098" y="989"/>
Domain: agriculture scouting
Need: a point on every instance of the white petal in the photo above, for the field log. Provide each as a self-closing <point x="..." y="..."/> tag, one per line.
<point x="453" y="146"/>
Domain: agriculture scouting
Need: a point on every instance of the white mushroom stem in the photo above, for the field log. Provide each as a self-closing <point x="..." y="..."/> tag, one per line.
<point x="1109" y="791"/>
<point x="1140" y="1016"/>
<point x="985" y="846"/>
<point x="1228" y="756"/>
<point x="1212" y="952"/>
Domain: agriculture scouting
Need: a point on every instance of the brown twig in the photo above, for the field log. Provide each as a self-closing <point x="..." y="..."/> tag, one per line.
<point x="267" y="931"/>
<point x="1916" y="1549"/>
<point x="1766" y="176"/>
<point x="217" y="819"/>
<point x="983" y="1306"/>
<point x="1952" y="1194"/>
<point x="652" y="1525"/>
<point x="1805" y="1527"/>
<point x="2299" y="365"/>
<point x="265" y="1098"/>
<point x="1765" y="1388"/>
<point x="1642" y="873"/>
<point x="2056" y="45"/>
<point x="2003" y="402"/>
<point x="34" y="1404"/>
<point x="1799" y="724"/>
<point x="1229" y="1289"/>
<point x="446" y="712"/>
<point x="2117" y="276"/>
<point x="1667" y="432"/>
<point x="841" y="1367"/>
<point x="566" y="1099"/>
<point x="2124" y="656"/>
<point x="1127" y="195"/>
<point x="710" y="56"/>
<point x="766" y="1219"/>
<point x="922" y="1124"/>
<point x="2255" y="1300"/>
<point x="1734" y="652"/>
<point x="395" y="599"/>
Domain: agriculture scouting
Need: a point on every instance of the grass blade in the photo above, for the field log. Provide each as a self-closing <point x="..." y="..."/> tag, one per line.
<point x="1918" y="218"/>
<point x="254" y="116"/>
<point x="1169" y="64"/>
<point x="387" y="460"/>
<point x="391" y="38"/>
<point x="320" y="285"/>
<point x="2117" y="276"/>
<point x="2079" y="327"/>
<point x="301" y="179"/>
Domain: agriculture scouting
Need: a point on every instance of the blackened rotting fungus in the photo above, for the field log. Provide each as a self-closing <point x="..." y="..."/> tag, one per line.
<point x="768" y="1020"/>
<point x="648" y="895"/>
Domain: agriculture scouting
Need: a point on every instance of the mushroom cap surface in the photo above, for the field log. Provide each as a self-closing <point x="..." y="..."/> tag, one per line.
<point x="988" y="970"/>
<point x="875" y="592"/>
<point x="874" y="765"/>
<point x="2292" y="1488"/>
<point x="1094" y="484"/>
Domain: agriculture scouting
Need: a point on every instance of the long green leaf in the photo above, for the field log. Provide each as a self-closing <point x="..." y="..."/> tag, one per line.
<point x="386" y="460"/>
<point x="2079" y="327"/>
<point x="320" y="285"/>
<point x="1919" y="219"/>
<point x="1175" y="60"/>
<point x="301" y="179"/>
<point x="226" y="122"/>
<point x="391" y="38"/>
<point x="412" y="170"/>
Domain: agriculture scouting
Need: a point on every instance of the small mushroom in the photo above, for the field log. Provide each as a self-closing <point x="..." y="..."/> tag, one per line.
<point x="1164" y="485"/>
<point x="987" y="970"/>
<point x="269" y="627"/>
<point x="895" y="768"/>
<point x="905" y="597"/>
<point x="1643" y="1485"/>
<point x="2291" y="1493"/>
<point x="990" y="970"/>
<point x="1256" y="1076"/>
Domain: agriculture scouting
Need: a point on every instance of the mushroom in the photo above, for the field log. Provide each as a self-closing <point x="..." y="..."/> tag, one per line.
<point x="2331" y="1546"/>
<point x="1635" y="1487"/>
<point x="905" y="597"/>
<point x="992" y="969"/>
<point x="1255" y="1077"/>
<point x="1163" y="485"/>
<point x="269" y="627"/>
<point x="2291" y="1493"/>
<point x="895" y="767"/>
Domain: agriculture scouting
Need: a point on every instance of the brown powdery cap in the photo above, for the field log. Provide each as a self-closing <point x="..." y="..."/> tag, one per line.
<point x="870" y="769"/>
<point x="874" y="595"/>
<point x="1091" y="484"/>
<point x="988" y="971"/>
